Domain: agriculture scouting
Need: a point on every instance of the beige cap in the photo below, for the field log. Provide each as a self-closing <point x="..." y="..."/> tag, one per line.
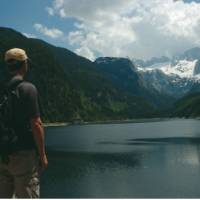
<point x="15" y="54"/>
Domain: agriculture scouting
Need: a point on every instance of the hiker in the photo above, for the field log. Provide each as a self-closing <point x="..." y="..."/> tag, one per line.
<point x="22" y="150"/>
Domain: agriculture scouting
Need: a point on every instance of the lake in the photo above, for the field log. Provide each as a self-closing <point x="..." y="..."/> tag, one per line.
<point x="156" y="159"/>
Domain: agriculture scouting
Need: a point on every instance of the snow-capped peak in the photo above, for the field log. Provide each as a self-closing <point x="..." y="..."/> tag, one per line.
<point x="183" y="68"/>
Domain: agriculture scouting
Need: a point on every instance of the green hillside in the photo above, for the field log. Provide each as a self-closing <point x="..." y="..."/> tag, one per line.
<point x="189" y="106"/>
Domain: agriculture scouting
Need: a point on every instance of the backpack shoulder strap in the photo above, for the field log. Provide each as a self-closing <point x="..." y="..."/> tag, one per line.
<point x="12" y="84"/>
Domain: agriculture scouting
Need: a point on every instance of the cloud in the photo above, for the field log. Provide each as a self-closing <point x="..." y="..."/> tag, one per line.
<point x="133" y="28"/>
<point x="75" y="37"/>
<point x="50" y="11"/>
<point x="86" y="52"/>
<point x="53" y="33"/>
<point x="29" y="35"/>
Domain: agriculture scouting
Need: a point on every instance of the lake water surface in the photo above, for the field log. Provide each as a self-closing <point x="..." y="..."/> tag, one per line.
<point x="159" y="159"/>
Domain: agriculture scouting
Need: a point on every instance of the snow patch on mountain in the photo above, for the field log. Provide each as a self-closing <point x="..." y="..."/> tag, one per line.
<point x="174" y="78"/>
<point x="182" y="69"/>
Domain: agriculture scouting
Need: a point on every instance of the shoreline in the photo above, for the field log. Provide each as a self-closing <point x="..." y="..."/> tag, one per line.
<point x="143" y="120"/>
<point x="55" y="124"/>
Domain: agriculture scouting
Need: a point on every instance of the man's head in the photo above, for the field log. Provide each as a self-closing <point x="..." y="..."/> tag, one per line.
<point x="16" y="60"/>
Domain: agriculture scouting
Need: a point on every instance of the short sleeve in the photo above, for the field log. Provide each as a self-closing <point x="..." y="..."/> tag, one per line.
<point x="31" y="100"/>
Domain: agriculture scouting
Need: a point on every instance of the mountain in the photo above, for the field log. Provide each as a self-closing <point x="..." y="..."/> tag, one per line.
<point x="124" y="74"/>
<point x="172" y="78"/>
<point x="173" y="85"/>
<point x="72" y="87"/>
<point x="179" y="77"/>
<point x="189" y="106"/>
<point x="121" y="72"/>
<point x="197" y="68"/>
<point x="190" y="55"/>
<point x="152" y="61"/>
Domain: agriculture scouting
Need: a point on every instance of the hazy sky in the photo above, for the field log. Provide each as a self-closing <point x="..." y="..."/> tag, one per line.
<point x="92" y="28"/>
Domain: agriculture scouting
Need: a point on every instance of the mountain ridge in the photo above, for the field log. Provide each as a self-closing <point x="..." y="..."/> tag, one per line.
<point x="70" y="86"/>
<point x="76" y="89"/>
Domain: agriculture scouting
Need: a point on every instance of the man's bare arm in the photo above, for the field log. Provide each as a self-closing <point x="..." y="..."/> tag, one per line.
<point x="38" y="134"/>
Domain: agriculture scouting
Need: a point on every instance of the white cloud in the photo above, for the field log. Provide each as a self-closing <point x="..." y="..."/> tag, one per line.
<point x="29" y="35"/>
<point x="50" y="11"/>
<point x="86" y="52"/>
<point x="62" y="13"/>
<point x="50" y="32"/>
<point x="75" y="37"/>
<point x="134" y="28"/>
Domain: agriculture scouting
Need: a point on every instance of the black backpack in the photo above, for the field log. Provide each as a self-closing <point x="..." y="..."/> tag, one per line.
<point x="8" y="134"/>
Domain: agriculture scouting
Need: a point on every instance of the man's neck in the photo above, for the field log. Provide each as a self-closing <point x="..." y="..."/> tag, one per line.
<point x="18" y="74"/>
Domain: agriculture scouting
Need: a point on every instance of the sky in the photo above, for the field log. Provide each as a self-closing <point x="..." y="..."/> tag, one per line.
<point x="118" y="28"/>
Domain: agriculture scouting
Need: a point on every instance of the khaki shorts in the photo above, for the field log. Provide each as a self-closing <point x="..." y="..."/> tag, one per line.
<point x="20" y="176"/>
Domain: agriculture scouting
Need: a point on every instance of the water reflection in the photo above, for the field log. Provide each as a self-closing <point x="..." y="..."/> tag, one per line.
<point x="187" y="156"/>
